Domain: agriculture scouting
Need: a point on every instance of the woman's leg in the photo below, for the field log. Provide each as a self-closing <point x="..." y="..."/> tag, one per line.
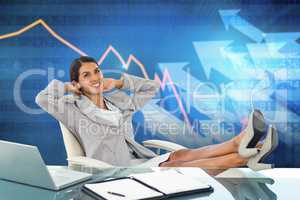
<point x="228" y="147"/>
<point x="216" y="164"/>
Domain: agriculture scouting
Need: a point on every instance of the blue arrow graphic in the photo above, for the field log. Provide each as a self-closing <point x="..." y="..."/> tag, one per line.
<point x="212" y="55"/>
<point x="288" y="39"/>
<point x="190" y="87"/>
<point x="231" y="18"/>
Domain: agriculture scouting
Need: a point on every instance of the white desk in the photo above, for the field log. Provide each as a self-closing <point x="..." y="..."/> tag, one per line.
<point x="279" y="184"/>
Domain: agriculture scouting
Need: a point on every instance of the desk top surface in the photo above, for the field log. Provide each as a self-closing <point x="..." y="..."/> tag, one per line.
<point x="281" y="183"/>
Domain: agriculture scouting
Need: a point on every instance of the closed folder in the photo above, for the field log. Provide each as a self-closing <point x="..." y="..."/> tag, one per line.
<point x="153" y="185"/>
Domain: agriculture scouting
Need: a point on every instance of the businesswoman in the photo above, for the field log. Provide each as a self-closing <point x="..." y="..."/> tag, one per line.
<point x="103" y="123"/>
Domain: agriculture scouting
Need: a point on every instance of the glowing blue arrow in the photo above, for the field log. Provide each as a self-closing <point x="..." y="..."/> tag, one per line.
<point x="212" y="55"/>
<point x="274" y="49"/>
<point x="282" y="37"/>
<point x="263" y="57"/>
<point x="231" y="18"/>
<point x="203" y="96"/>
<point x="290" y="48"/>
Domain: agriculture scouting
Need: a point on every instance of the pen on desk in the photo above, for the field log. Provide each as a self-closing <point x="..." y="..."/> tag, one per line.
<point x="117" y="194"/>
<point x="177" y="170"/>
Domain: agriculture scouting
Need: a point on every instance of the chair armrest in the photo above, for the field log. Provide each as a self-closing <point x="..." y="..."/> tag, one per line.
<point x="164" y="145"/>
<point x="88" y="162"/>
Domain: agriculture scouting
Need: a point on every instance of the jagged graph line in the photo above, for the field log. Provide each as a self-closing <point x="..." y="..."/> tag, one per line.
<point x="120" y="58"/>
<point x="167" y="78"/>
<point x="126" y="64"/>
<point x="50" y="30"/>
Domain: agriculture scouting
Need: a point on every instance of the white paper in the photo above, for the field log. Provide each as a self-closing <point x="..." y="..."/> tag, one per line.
<point x="170" y="181"/>
<point x="128" y="187"/>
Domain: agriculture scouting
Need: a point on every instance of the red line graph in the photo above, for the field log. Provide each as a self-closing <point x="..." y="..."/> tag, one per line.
<point x="126" y="64"/>
<point x="167" y="78"/>
<point x="110" y="49"/>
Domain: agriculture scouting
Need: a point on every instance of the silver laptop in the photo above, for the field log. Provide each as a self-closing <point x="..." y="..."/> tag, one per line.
<point x="24" y="164"/>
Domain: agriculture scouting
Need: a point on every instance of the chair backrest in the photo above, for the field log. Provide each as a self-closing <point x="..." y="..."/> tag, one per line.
<point x="72" y="146"/>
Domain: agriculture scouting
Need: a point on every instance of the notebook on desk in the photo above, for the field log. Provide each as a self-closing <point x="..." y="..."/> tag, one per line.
<point x="153" y="185"/>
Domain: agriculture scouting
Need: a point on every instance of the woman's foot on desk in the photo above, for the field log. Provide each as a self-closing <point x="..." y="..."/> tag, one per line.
<point x="249" y="139"/>
<point x="269" y="145"/>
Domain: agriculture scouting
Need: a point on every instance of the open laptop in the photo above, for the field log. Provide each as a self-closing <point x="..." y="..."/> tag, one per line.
<point x="24" y="164"/>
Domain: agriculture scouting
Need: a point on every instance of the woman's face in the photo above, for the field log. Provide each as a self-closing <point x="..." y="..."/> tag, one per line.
<point x="90" y="79"/>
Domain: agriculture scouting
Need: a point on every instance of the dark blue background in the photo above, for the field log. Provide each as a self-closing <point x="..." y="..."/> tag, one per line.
<point x="154" y="31"/>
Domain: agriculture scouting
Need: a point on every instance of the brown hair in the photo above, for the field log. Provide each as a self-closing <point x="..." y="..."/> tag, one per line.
<point x="76" y="64"/>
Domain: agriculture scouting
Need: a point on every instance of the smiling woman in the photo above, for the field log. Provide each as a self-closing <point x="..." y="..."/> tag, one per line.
<point x="87" y="79"/>
<point x="112" y="141"/>
<point x="103" y="123"/>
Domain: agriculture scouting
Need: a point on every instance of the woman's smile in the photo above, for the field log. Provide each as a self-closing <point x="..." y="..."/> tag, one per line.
<point x="96" y="85"/>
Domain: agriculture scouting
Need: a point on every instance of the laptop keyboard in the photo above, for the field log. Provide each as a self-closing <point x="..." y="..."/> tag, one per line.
<point x="61" y="177"/>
